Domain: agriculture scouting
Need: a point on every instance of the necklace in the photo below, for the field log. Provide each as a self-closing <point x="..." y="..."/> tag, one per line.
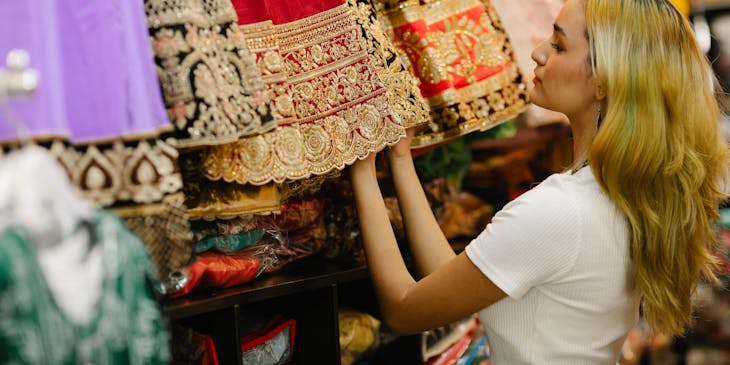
<point x="576" y="169"/>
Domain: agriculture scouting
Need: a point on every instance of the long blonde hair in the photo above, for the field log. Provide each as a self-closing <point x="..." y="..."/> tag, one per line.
<point x="658" y="152"/>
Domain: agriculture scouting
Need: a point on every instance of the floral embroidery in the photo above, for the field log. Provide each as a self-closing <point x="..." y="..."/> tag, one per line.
<point x="262" y="40"/>
<point x="209" y="79"/>
<point x="403" y="93"/>
<point x="342" y="110"/>
<point x="464" y="60"/>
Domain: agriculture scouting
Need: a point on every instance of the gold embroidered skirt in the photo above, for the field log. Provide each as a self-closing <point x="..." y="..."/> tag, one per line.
<point x="339" y="107"/>
<point x="463" y="59"/>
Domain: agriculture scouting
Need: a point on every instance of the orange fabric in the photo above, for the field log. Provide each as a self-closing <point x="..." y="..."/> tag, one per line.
<point x="212" y="270"/>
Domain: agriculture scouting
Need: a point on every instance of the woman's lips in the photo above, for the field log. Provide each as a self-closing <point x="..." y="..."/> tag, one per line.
<point x="536" y="80"/>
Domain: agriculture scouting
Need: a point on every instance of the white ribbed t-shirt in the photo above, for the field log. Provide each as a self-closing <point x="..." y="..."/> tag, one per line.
<point x="560" y="253"/>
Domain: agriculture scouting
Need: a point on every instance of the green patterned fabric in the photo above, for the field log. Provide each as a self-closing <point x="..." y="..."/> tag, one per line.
<point x="230" y="243"/>
<point x="127" y="327"/>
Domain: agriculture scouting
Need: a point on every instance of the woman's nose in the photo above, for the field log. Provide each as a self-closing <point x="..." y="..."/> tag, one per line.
<point x="538" y="54"/>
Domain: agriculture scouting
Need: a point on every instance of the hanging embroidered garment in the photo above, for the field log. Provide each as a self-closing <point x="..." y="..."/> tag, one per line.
<point x="91" y="62"/>
<point x="211" y="200"/>
<point x="341" y="107"/>
<point x="464" y="60"/>
<point x="126" y="326"/>
<point x="224" y="200"/>
<point x="98" y="109"/>
<point x="261" y="37"/>
<point x="211" y="86"/>
<point x="98" y="91"/>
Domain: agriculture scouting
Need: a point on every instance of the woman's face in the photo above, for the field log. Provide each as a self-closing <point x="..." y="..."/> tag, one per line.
<point x="563" y="79"/>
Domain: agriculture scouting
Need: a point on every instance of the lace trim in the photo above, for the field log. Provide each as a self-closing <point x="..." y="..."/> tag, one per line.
<point x="342" y="108"/>
<point x="211" y="86"/>
<point x="141" y="172"/>
<point x="403" y="93"/>
<point x="451" y="43"/>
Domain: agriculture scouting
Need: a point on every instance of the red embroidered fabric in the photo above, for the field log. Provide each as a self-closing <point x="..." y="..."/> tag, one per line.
<point x="332" y="105"/>
<point x="463" y="58"/>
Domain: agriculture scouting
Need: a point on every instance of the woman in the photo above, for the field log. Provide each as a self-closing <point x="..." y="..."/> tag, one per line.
<point x="559" y="274"/>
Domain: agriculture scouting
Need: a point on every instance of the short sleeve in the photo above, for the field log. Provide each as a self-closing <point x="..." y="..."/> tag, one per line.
<point x="532" y="241"/>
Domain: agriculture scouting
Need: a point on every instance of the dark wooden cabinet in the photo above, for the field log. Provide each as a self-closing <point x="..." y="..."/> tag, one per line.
<point x="308" y="293"/>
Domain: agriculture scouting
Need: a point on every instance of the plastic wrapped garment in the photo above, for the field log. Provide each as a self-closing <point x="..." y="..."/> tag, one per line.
<point x="272" y="344"/>
<point x="211" y="270"/>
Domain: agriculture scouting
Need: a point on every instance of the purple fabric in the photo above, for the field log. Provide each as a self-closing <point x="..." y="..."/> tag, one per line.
<point x="97" y="77"/>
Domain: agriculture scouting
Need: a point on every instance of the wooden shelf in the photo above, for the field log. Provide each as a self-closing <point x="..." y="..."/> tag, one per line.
<point x="298" y="278"/>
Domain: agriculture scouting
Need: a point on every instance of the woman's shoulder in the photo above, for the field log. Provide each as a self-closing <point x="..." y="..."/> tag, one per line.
<point x="562" y="197"/>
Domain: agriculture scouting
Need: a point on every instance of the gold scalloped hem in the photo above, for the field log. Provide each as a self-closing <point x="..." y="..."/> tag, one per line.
<point x="342" y="108"/>
<point x="165" y="230"/>
<point x="219" y="200"/>
<point x="477" y="107"/>
<point x="141" y="172"/>
<point x="299" y="151"/>
<point x="472" y="125"/>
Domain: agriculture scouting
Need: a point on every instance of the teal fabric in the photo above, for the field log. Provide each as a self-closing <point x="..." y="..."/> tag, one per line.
<point x="229" y="243"/>
<point x="127" y="327"/>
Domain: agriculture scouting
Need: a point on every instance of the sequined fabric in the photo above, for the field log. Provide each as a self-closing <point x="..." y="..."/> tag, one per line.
<point x="403" y="93"/>
<point x="341" y="110"/>
<point x="463" y="58"/>
<point x="211" y="200"/>
<point x="211" y="86"/>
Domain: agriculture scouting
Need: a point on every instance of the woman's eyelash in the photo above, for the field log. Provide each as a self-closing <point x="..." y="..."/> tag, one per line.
<point x="556" y="46"/>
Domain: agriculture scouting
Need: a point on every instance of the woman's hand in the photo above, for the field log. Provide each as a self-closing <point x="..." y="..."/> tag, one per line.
<point x="402" y="149"/>
<point x="363" y="168"/>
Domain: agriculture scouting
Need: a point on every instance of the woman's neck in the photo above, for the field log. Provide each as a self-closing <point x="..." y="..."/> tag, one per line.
<point x="583" y="126"/>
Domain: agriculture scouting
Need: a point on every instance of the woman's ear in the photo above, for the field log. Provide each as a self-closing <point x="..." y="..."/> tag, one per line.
<point x="600" y="92"/>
